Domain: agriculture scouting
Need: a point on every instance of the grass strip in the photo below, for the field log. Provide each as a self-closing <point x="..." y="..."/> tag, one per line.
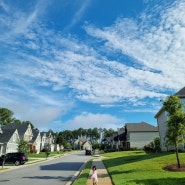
<point x="82" y="179"/>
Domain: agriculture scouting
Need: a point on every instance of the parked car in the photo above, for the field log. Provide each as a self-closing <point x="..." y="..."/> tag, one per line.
<point x="67" y="149"/>
<point x="16" y="158"/>
<point x="88" y="152"/>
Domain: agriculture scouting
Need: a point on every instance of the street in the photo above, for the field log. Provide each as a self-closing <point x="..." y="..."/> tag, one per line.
<point x="52" y="172"/>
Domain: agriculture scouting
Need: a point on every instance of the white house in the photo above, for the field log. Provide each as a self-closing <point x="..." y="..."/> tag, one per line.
<point x="9" y="139"/>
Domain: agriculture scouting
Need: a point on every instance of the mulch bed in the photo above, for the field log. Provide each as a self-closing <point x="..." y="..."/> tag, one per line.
<point x="174" y="168"/>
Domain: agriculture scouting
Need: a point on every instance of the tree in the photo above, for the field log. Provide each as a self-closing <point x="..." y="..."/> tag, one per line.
<point x="23" y="146"/>
<point x="28" y="123"/>
<point x="175" y="123"/>
<point x="5" y="116"/>
<point x="108" y="133"/>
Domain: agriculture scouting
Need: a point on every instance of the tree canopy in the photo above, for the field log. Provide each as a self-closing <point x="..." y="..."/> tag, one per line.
<point x="175" y="123"/>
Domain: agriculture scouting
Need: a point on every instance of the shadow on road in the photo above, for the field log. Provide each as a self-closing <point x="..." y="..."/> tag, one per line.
<point x="64" y="166"/>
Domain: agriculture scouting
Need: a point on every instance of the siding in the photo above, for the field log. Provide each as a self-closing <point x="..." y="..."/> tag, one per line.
<point x="141" y="139"/>
<point x="161" y="121"/>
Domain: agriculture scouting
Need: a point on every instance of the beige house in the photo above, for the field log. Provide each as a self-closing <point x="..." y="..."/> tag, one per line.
<point x="82" y="144"/>
<point x="162" y="117"/>
<point x="35" y="142"/>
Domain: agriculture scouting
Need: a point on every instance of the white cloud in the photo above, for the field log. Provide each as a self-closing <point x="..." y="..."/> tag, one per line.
<point x="159" y="48"/>
<point x="79" y="13"/>
<point x="90" y="120"/>
<point x="49" y="69"/>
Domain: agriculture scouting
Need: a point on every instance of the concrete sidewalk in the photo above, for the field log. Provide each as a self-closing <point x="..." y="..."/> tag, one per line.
<point x="103" y="176"/>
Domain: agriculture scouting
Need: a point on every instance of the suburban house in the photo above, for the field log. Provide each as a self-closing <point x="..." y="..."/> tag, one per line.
<point x="47" y="141"/>
<point x="82" y="144"/>
<point x="135" y="135"/>
<point x="11" y="134"/>
<point x="8" y="140"/>
<point x="139" y="134"/>
<point x="35" y="142"/>
<point x="162" y="117"/>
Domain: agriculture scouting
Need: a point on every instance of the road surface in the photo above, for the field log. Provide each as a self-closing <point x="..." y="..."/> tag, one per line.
<point x="52" y="172"/>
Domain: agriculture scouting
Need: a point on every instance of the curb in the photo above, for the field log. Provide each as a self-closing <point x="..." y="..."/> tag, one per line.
<point x="76" y="175"/>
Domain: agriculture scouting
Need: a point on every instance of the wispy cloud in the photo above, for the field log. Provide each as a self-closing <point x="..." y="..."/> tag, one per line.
<point x="157" y="50"/>
<point x="81" y="8"/>
<point x="44" y="66"/>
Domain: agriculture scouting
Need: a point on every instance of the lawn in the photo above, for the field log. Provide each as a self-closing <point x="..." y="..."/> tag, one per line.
<point x="82" y="179"/>
<point x="43" y="154"/>
<point x="138" y="167"/>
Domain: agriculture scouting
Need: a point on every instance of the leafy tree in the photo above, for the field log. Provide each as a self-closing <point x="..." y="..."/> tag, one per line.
<point x="153" y="145"/>
<point x="175" y="123"/>
<point x="17" y="121"/>
<point x="108" y="133"/>
<point x="157" y="145"/>
<point x="23" y="146"/>
<point x="5" y="116"/>
<point x="28" y="123"/>
<point x="60" y="139"/>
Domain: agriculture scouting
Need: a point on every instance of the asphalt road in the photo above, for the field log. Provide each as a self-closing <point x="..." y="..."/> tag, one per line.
<point x="52" y="172"/>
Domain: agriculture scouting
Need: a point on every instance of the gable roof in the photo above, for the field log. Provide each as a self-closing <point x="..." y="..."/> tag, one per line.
<point x="20" y="127"/>
<point x="181" y="93"/>
<point x="140" y="127"/>
<point x="35" y="135"/>
<point x="6" y="135"/>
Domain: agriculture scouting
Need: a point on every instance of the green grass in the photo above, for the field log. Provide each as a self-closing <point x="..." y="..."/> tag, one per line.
<point x="82" y="179"/>
<point x="43" y="154"/>
<point x="138" y="167"/>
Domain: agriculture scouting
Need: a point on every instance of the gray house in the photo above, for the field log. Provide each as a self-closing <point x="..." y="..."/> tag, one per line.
<point x="135" y="135"/>
<point x="162" y="117"/>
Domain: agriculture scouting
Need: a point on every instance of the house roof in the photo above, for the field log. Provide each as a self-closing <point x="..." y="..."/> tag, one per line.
<point x="140" y="127"/>
<point x="35" y="135"/>
<point x="6" y="135"/>
<point x="180" y="94"/>
<point x="48" y="134"/>
<point x="20" y="127"/>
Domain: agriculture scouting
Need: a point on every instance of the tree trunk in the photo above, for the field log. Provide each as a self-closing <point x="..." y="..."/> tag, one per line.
<point x="177" y="156"/>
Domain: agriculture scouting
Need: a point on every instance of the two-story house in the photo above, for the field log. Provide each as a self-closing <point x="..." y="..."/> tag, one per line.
<point x="162" y="117"/>
<point x="135" y="135"/>
<point x="9" y="139"/>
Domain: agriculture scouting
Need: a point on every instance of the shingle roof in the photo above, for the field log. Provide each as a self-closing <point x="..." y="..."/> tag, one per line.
<point x="140" y="127"/>
<point x="20" y="127"/>
<point x="181" y="93"/>
<point x="6" y="135"/>
<point x="35" y="135"/>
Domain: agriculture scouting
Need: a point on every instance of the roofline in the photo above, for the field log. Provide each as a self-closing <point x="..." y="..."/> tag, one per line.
<point x="159" y="112"/>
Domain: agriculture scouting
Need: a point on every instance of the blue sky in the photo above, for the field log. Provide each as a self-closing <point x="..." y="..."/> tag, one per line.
<point x="67" y="64"/>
